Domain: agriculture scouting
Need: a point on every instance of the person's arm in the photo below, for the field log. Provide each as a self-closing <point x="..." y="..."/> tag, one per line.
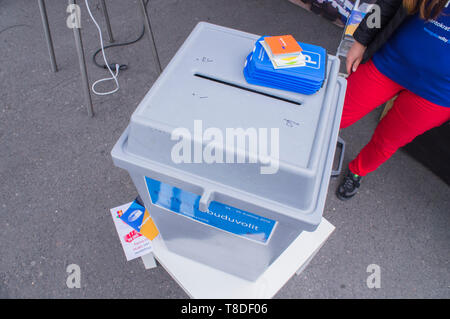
<point x="354" y="57"/>
<point x="366" y="32"/>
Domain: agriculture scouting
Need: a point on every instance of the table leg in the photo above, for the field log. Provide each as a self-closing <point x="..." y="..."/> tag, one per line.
<point x="149" y="261"/>
<point x="148" y="28"/>
<point x="83" y="69"/>
<point x="48" y="36"/>
<point x="108" y="24"/>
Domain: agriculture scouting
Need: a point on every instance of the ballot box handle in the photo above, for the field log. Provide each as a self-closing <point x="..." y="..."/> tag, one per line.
<point x="341" y="143"/>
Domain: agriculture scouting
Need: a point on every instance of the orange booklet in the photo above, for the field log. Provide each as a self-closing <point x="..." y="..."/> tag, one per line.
<point x="283" y="44"/>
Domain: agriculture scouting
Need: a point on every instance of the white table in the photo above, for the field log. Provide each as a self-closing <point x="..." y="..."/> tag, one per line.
<point x="201" y="281"/>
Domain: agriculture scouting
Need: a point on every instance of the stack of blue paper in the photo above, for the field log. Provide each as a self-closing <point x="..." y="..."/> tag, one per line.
<point x="306" y="79"/>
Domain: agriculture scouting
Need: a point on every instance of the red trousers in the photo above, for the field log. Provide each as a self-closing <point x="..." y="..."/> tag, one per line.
<point x="409" y="117"/>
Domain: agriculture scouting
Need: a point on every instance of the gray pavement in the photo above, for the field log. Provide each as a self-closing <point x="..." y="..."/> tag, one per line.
<point x="58" y="181"/>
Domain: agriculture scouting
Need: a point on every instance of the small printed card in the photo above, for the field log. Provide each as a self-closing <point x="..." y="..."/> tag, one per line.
<point x="284" y="62"/>
<point x="134" y="243"/>
<point x="138" y="217"/>
<point x="283" y="45"/>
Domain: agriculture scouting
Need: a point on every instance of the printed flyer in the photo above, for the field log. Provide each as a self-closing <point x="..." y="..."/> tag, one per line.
<point x="134" y="243"/>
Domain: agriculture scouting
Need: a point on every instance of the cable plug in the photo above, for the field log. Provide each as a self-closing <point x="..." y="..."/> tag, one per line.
<point x="112" y="66"/>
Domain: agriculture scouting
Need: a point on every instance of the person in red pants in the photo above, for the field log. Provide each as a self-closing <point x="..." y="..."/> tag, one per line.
<point x="408" y="56"/>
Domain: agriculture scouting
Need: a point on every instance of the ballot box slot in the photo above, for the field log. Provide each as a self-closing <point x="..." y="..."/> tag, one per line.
<point x="206" y="77"/>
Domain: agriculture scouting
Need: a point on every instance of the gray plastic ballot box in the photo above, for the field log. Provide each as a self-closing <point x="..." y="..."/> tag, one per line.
<point x="230" y="172"/>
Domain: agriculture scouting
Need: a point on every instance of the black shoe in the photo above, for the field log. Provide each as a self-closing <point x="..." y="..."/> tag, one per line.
<point x="349" y="186"/>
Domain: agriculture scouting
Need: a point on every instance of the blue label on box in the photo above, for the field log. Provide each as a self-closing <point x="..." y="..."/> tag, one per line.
<point x="218" y="215"/>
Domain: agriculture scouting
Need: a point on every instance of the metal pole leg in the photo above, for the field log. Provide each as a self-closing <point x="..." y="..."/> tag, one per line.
<point x="83" y="69"/>
<point x="108" y="24"/>
<point x="148" y="27"/>
<point x="48" y="36"/>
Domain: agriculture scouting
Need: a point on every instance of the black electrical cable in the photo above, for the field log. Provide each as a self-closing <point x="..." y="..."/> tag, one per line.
<point x="113" y="65"/>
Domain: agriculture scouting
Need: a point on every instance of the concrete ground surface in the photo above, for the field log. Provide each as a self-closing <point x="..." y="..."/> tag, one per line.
<point x="58" y="181"/>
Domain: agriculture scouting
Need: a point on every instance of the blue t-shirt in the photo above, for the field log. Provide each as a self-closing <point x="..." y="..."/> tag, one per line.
<point x="417" y="57"/>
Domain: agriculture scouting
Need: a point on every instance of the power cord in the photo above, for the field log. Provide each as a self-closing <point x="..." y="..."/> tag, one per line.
<point x="117" y="66"/>
<point x="113" y="65"/>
